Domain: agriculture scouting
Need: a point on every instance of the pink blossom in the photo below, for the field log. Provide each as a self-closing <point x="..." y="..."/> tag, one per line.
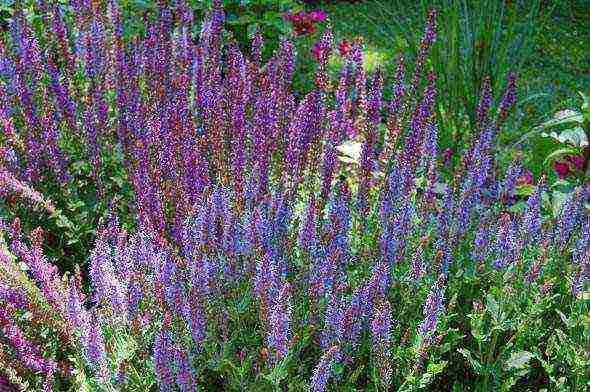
<point x="318" y="16"/>
<point x="344" y="48"/>
<point x="577" y="161"/>
<point x="562" y="169"/>
<point x="526" y="178"/>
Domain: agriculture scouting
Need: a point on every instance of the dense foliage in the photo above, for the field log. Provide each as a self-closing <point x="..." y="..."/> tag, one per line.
<point x="252" y="238"/>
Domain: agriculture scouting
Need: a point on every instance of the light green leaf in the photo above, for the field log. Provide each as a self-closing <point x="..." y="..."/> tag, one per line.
<point x="559" y="153"/>
<point x="492" y="306"/>
<point x="566" y="116"/>
<point x="475" y="364"/>
<point x="351" y="150"/>
<point x="519" y="359"/>
<point x="525" y="190"/>
<point x="431" y="372"/>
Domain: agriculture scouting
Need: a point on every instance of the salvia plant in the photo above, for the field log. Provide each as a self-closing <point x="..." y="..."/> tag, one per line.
<point x="260" y="259"/>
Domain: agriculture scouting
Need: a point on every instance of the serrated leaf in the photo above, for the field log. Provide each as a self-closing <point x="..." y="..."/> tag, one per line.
<point x="519" y="359"/>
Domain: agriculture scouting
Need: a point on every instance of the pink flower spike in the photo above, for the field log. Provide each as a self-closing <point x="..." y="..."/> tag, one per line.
<point x="526" y="178"/>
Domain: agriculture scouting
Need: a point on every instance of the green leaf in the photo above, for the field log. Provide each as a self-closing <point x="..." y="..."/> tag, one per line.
<point x="519" y="207"/>
<point x="511" y="381"/>
<point x="518" y="360"/>
<point x="351" y="150"/>
<point x="525" y="190"/>
<point x="559" y="153"/>
<point x="564" y="318"/>
<point x="475" y="364"/>
<point x="567" y="116"/>
<point x="278" y="373"/>
<point x="492" y="306"/>
<point x="585" y="106"/>
<point x="243" y="305"/>
<point x="431" y="372"/>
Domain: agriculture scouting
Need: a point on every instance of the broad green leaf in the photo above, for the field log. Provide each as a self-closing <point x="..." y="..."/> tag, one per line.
<point x="475" y="364"/>
<point x="519" y="359"/>
<point x="492" y="306"/>
<point x="559" y="153"/>
<point x="351" y="150"/>
<point x="431" y="372"/>
<point x="566" y="116"/>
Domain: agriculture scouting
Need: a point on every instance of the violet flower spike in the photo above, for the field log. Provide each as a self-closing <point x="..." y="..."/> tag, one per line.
<point x="322" y="371"/>
<point x="381" y="326"/>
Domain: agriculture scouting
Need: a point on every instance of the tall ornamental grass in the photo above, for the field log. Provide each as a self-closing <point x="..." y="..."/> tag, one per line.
<point x="479" y="39"/>
<point x="262" y="259"/>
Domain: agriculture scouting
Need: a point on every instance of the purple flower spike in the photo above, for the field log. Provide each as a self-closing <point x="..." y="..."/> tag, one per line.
<point x="569" y="217"/>
<point x="322" y="371"/>
<point x="508" y="100"/>
<point x="531" y="225"/>
<point x="95" y="351"/>
<point x="485" y="102"/>
<point x="280" y="319"/>
<point x="481" y="243"/>
<point x="433" y="308"/>
<point x="163" y="357"/>
<point x="506" y="245"/>
<point x="381" y="330"/>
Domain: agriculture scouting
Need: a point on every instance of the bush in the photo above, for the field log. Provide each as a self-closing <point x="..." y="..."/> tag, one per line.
<point x="279" y="242"/>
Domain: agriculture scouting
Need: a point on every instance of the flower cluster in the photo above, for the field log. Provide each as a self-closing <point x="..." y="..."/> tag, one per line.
<point x="571" y="164"/>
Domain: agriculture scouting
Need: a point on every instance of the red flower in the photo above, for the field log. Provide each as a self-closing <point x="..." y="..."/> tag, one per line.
<point x="344" y="48"/>
<point x="304" y="23"/>
<point x="577" y="161"/>
<point x="562" y="169"/>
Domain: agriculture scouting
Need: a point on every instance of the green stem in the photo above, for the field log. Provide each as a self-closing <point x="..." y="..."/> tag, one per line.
<point x="489" y="360"/>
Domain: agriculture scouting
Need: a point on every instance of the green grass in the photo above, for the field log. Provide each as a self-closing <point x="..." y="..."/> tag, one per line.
<point x="554" y="67"/>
